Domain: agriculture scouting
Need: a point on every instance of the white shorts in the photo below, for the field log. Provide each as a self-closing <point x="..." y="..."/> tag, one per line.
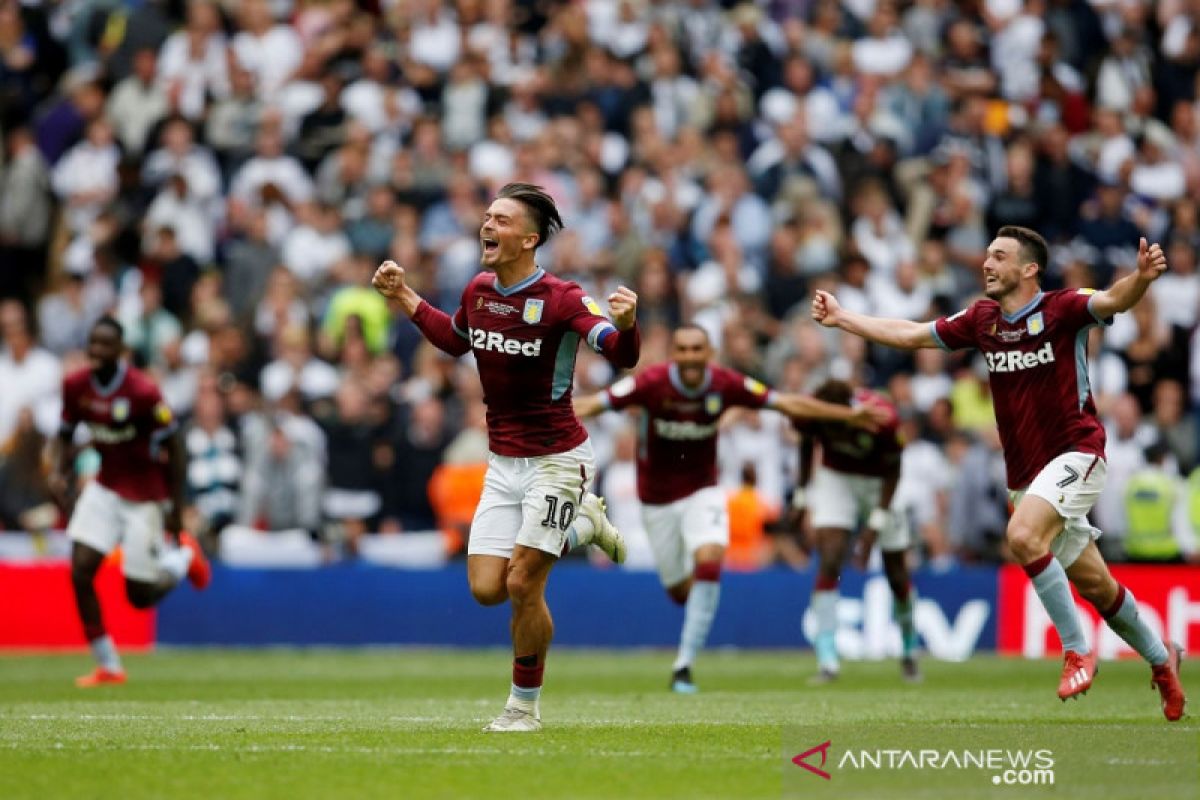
<point x="103" y="520"/>
<point x="677" y="530"/>
<point x="1072" y="484"/>
<point x="842" y="500"/>
<point x="530" y="501"/>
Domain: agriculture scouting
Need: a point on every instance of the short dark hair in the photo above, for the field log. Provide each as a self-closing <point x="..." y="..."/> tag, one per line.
<point x="691" y="326"/>
<point x="541" y="208"/>
<point x="835" y="391"/>
<point x="110" y="321"/>
<point x="1033" y="246"/>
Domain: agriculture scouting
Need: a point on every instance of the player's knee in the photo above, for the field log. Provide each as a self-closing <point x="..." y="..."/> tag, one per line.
<point x="521" y="585"/>
<point x="1025" y="542"/>
<point x="489" y="593"/>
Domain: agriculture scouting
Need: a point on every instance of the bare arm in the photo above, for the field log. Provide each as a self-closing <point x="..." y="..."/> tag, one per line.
<point x="590" y="406"/>
<point x="801" y="406"/>
<point x="177" y="480"/>
<point x="1125" y="293"/>
<point x="62" y="462"/>
<point x="899" y="333"/>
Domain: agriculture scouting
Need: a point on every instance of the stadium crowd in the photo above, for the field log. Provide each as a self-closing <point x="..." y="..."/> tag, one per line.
<point x="224" y="177"/>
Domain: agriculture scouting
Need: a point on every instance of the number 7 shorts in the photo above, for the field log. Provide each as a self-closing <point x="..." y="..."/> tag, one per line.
<point x="530" y="501"/>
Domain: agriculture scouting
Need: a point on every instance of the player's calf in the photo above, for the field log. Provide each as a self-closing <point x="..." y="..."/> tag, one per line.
<point x="824" y="604"/>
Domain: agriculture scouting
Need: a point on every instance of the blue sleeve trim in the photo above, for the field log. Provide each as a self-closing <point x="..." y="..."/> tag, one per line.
<point x="457" y="329"/>
<point x="938" y="339"/>
<point x="598" y="333"/>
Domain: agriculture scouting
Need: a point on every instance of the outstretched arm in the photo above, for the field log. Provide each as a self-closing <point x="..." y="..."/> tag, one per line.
<point x="899" y="333"/>
<point x="436" y="325"/>
<point x="590" y="406"/>
<point x="799" y="406"/>
<point x="1125" y="293"/>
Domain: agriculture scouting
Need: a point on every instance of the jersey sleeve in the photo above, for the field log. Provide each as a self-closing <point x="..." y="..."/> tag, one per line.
<point x="629" y="391"/>
<point x="1075" y="308"/>
<point x="742" y="390"/>
<point x="156" y="414"/>
<point x="447" y="332"/>
<point x="583" y="315"/>
<point x="958" y="331"/>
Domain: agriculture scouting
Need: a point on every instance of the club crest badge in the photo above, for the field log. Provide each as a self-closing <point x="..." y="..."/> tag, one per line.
<point x="1035" y="324"/>
<point x="120" y="409"/>
<point x="533" y="311"/>
<point x="712" y="405"/>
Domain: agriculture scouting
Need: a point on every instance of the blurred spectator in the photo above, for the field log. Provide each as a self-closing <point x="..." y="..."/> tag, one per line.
<point x="25" y="501"/>
<point x="1158" y="529"/>
<point x="284" y="472"/>
<point x="1127" y="436"/>
<point x="31" y="376"/>
<point x="137" y="103"/>
<point x="418" y="442"/>
<point x="149" y="328"/>
<point x="749" y="513"/>
<point x="25" y="215"/>
<point x="66" y="314"/>
<point x="352" y="500"/>
<point x="354" y="299"/>
<point x="214" y="465"/>
<point x="85" y="179"/>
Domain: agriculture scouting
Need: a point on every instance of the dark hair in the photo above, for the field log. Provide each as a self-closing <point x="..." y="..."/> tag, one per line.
<point x="691" y="326"/>
<point x="1033" y="246"/>
<point x="111" y="321"/>
<point x="541" y="208"/>
<point x="834" y="391"/>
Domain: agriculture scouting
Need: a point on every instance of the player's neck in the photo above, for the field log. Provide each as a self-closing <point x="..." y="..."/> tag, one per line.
<point x="516" y="271"/>
<point x="1018" y="298"/>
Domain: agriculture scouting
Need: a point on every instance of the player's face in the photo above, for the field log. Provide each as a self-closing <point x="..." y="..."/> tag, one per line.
<point x="104" y="348"/>
<point x="506" y="234"/>
<point x="1002" y="269"/>
<point x="691" y="353"/>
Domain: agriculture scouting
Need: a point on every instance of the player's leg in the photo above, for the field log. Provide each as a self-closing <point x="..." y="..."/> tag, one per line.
<point x="663" y="524"/>
<point x="1066" y="488"/>
<point x="493" y="531"/>
<point x="1118" y="606"/>
<point x="834" y="513"/>
<point x="574" y="472"/>
<point x="894" y="541"/>
<point x="704" y="529"/>
<point x="94" y="531"/>
<point x="152" y="566"/>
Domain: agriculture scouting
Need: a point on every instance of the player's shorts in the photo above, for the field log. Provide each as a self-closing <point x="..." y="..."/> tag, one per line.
<point x="103" y="520"/>
<point x="1072" y="484"/>
<point x="842" y="500"/>
<point x="530" y="501"/>
<point x="677" y="530"/>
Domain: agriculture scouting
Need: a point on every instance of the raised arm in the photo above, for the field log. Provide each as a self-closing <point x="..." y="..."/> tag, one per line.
<point x="436" y="325"/>
<point x="899" y="333"/>
<point x="1125" y="293"/>
<point x="622" y="347"/>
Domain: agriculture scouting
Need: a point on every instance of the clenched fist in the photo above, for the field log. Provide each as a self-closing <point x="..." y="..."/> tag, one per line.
<point x="389" y="280"/>
<point x="622" y="307"/>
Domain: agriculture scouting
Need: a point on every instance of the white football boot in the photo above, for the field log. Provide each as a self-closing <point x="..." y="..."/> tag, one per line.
<point x="605" y="535"/>
<point x="514" y="720"/>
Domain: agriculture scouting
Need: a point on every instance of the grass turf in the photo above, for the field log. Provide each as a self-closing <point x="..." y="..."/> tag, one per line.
<point x="405" y="724"/>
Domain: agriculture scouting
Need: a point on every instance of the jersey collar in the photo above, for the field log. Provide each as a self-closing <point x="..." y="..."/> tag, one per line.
<point x="519" y="285"/>
<point x="677" y="382"/>
<point x="117" y="379"/>
<point x="1023" y="310"/>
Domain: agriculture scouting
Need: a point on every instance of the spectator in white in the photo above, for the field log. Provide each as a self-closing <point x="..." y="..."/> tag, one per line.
<point x="902" y="295"/>
<point x="66" y="315"/>
<point x="964" y="66"/>
<point x="1178" y="299"/>
<point x="1175" y="427"/>
<point x="25" y="212"/>
<point x="284" y="471"/>
<point x="673" y="95"/>
<point x="760" y="438"/>
<point x="175" y="207"/>
<point x="800" y="89"/>
<point x="791" y="154"/>
<point x="749" y="216"/>
<point x="464" y="105"/>
<point x="1128" y="437"/>
<point x="31" y="376"/>
<point x="885" y="50"/>
<point x="272" y="52"/>
<point x="930" y="382"/>
<point x="179" y="154"/>
<point x="315" y="244"/>
<point x="1157" y="174"/>
<point x="272" y="180"/>
<point x="85" y="178"/>
<point x="1107" y="145"/>
<point x="281" y="306"/>
<point x="524" y="112"/>
<point x="295" y="367"/>
<point x="137" y="103"/>
<point x="233" y="120"/>
<point x="193" y="64"/>
<point x="879" y="233"/>
<point x="435" y="39"/>
<point x="375" y="101"/>
<point x="214" y="465"/>
<point x="1123" y="71"/>
<point x="591" y="218"/>
<point x="1017" y="30"/>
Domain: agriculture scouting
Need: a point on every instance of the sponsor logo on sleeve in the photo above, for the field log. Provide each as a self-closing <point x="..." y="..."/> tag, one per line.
<point x="162" y="414"/>
<point x="755" y="387"/>
<point x="1085" y="291"/>
<point x="592" y="306"/>
<point x="533" y="311"/>
<point x="623" y="387"/>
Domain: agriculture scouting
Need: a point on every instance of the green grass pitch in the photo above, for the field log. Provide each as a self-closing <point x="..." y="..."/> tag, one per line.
<point x="403" y="723"/>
